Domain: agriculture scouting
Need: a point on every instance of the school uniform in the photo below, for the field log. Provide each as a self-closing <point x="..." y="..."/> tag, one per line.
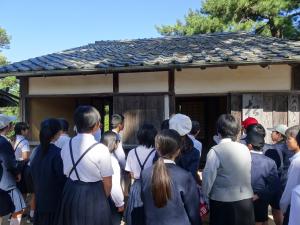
<point x="189" y="160"/>
<point x="295" y="206"/>
<point x="119" y="152"/>
<point x="6" y="205"/>
<point x="62" y="140"/>
<point x="182" y="208"/>
<point x="85" y="163"/>
<point x="265" y="183"/>
<point x="197" y="144"/>
<point x="116" y="195"/>
<point x="10" y="171"/>
<point x="48" y="180"/>
<point x="138" y="159"/>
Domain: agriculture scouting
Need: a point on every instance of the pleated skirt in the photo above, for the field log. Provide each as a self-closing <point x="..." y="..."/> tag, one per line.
<point x="6" y="204"/>
<point x="17" y="199"/>
<point x="49" y="218"/>
<point x="134" y="211"/>
<point x="84" y="204"/>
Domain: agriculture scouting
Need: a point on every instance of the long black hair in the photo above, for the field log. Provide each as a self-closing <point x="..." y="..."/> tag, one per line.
<point x="49" y="128"/>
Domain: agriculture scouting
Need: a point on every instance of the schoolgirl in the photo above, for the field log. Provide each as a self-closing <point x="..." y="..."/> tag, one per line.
<point x="87" y="164"/>
<point x="138" y="159"/>
<point x="10" y="173"/>
<point x="47" y="174"/>
<point x="169" y="192"/>
<point x="116" y="200"/>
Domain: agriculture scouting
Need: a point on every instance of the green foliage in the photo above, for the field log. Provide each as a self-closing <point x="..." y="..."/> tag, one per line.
<point x="9" y="84"/>
<point x="277" y="18"/>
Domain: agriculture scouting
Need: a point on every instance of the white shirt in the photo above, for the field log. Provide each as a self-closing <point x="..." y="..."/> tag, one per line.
<point x="60" y="142"/>
<point x="292" y="182"/>
<point x="197" y="144"/>
<point x="132" y="164"/>
<point x="21" y="145"/>
<point x="95" y="165"/>
<point x="120" y="154"/>
<point x="116" y="190"/>
<point x="295" y="207"/>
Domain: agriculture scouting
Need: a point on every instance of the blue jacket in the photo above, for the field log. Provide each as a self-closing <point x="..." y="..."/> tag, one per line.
<point x="264" y="176"/>
<point x="48" y="178"/>
<point x="189" y="161"/>
<point x="182" y="208"/>
<point x="9" y="164"/>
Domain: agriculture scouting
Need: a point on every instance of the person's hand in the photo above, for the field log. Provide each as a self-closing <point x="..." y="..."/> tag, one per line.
<point x="121" y="209"/>
<point x="18" y="177"/>
<point x="255" y="197"/>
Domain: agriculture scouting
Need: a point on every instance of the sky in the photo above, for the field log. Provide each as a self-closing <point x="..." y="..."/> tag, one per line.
<point x="39" y="27"/>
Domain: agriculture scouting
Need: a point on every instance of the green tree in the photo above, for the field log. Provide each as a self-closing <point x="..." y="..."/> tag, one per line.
<point x="9" y="84"/>
<point x="277" y="18"/>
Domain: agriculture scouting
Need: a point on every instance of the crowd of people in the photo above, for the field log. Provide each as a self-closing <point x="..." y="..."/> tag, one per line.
<point x="83" y="180"/>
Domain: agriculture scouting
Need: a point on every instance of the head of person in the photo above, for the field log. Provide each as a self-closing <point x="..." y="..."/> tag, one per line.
<point x="117" y="122"/>
<point x="64" y="125"/>
<point x="255" y="141"/>
<point x="278" y="133"/>
<point x="256" y="128"/>
<point x="195" y="128"/>
<point x="50" y="131"/>
<point x="228" y="127"/>
<point x="21" y="128"/>
<point x="87" y="119"/>
<point x="6" y="123"/>
<point x="146" y="135"/>
<point x="293" y="138"/>
<point x="248" y="122"/>
<point x="183" y="125"/>
<point x="111" y="140"/>
<point x="167" y="143"/>
<point x="164" y="125"/>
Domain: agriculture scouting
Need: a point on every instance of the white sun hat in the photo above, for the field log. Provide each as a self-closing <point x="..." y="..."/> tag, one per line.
<point x="181" y="123"/>
<point x="5" y="120"/>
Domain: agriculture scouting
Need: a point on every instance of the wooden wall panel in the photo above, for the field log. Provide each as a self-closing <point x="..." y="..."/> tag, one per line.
<point x="267" y="116"/>
<point x="253" y="106"/>
<point x="293" y="110"/>
<point x="137" y="110"/>
<point x="280" y="109"/>
<point x="236" y="106"/>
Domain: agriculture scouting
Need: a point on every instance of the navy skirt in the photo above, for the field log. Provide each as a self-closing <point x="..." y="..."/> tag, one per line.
<point x="44" y="218"/>
<point x="6" y="204"/>
<point x="84" y="204"/>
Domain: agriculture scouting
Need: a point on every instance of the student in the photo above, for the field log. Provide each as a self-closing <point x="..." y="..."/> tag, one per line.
<point x="87" y="164"/>
<point x="189" y="157"/>
<point x="295" y="206"/>
<point x="193" y="134"/>
<point x="10" y="173"/>
<point x="47" y="174"/>
<point x="139" y="159"/>
<point x="21" y="145"/>
<point x="227" y="177"/>
<point x="64" y="137"/>
<point x="293" y="143"/>
<point x="169" y="193"/>
<point x="6" y="206"/>
<point x="117" y="123"/>
<point x="245" y="125"/>
<point x="111" y="140"/>
<point x="264" y="177"/>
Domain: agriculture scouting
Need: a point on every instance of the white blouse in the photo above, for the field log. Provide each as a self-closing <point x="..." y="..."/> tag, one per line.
<point x="95" y="165"/>
<point x="116" y="190"/>
<point x="132" y="164"/>
<point x="21" y="145"/>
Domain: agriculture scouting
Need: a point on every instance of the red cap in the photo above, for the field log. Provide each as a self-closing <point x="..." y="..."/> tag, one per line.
<point x="249" y="121"/>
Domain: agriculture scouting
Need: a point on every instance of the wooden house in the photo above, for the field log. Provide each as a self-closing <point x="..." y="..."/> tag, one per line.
<point x="202" y="76"/>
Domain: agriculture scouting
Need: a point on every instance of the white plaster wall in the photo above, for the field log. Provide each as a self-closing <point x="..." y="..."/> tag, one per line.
<point x="71" y="84"/>
<point x="224" y="79"/>
<point x="143" y="82"/>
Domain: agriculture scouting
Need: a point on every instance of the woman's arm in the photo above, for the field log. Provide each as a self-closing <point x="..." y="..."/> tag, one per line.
<point x="107" y="183"/>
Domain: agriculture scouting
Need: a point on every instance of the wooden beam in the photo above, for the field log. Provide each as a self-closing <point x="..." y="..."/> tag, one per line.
<point x="23" y="106"/>
<point x="295" y="77"/>
<point x="116" y="82"/>
<point x="171" y="83"/>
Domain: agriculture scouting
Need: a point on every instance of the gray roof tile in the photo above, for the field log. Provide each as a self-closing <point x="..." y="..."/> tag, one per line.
<point x="197" y="50"/>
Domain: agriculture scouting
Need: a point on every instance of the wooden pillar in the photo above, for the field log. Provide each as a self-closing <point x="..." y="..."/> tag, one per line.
<point x="236" y="106"/>
<point x="171" y="82"/>
<point x="23" y="105"/>
<point x="116" y="82"/>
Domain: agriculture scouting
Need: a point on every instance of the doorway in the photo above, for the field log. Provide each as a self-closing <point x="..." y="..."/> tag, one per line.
<point x="206" y="111"/>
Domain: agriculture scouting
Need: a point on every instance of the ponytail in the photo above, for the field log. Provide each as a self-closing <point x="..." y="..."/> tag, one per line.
<point x="49" y="128"/>
<point x="161" y="184"/>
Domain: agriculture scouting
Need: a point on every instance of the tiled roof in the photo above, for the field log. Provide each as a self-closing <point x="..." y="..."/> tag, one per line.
<point x="197" y="50"/>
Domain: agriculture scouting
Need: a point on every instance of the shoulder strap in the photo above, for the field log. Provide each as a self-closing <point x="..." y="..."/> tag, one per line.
<point x="139" y="161"/>
<point x="19" y="144"/>
<point x="80" y="158"/>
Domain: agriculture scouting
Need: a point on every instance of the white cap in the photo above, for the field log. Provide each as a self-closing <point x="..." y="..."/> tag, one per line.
<point x="280" y="128"/>
<point x="181" y="123"/>
<point x="6" y="120"/>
